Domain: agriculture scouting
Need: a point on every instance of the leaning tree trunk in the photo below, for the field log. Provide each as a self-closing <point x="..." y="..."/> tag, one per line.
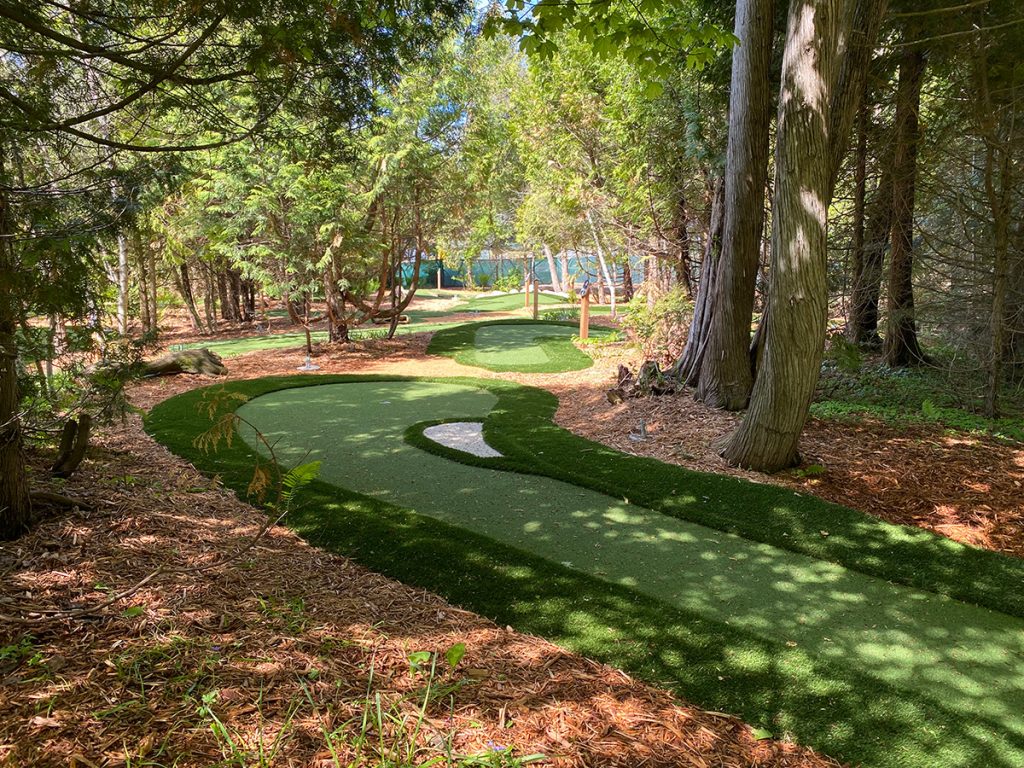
<point x="687" y="367"/>
<point x="902" y="348"/>
<point x="797" y="297"/>
<point x="725" y="375"/>
<point x="184" y="285"/>
<point x="556" y="284"/>
<point x="15" y="503"/>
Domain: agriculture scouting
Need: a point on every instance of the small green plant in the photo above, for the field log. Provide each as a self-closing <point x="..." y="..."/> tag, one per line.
<point x="811" y="470"/>
<point x="659" y="328"/>
<point x="564" y="314"/>
<point x="291" y="612"/>
<point x="513" y="281"/>
<point x="597" y="342"/>
<point x="498" y="756"/>
<point x="845" y="355"/>
<point x="232" y="742"/>
<point x="14" y="654"/>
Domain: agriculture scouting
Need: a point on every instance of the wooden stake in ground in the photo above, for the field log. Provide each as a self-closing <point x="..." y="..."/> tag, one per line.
<point x="536" y="291"/>
<point x="585" y="312"/>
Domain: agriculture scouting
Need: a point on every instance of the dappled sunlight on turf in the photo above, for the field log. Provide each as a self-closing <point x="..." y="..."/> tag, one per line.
<point x="961" y="656"/>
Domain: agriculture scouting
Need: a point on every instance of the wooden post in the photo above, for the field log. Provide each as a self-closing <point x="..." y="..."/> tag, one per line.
<point x="536" y="291"/>
<point x="526" y="283"/>
<point x="585" y="315"/>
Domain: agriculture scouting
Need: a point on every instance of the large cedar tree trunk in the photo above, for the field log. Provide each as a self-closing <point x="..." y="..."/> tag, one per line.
<point x="726" y="376"/>
<point x="797" y="296"/>
<point x="901" y="345"/>
<point x="687" y="367"/>
<point x="15" y="503"/>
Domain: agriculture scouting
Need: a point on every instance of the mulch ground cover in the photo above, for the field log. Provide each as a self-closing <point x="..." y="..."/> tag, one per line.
<point x="288" y="619"/>
<point x="277" y="647"/>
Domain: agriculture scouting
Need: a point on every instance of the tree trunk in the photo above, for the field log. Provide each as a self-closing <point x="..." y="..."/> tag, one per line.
<point x="868" y="262"/>
<point x="601" y="261"/>
<point x="996" y="123"/>
<point x="222" y="295"/>
<point x="556" y="284"/>
<point x="687" y="368"/>
<point x="726" y="376"/>
<point x="122" y="285"/>
<point x="209" y="297"/>
<point x="142" y="281"/>
<point x="184" y="285"/>
<point x="798" y="294"/>
<point x="564" y="259"/>
<point x="901" y="344"/>
<point x="627" y="282"/>
<point x="15" y="503"/>
<point x="186" y="361"/>
<point x="154" y="313"/>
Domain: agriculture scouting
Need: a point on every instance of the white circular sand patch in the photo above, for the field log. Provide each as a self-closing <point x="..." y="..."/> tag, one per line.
<point x="465" y="436"/>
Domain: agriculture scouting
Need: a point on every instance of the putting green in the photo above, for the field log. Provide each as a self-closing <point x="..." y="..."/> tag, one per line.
<point x="509" y="302"/>
<point x="246" y="344"/>
<point x="526" y="346"/>
<point x="963" y="656"/>
<point x="862" y="668"/>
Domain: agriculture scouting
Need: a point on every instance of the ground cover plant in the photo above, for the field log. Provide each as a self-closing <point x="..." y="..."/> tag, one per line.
<point x="854" y="386"/>
<point x="819" y="697"/>
<point x="525" y="346"/>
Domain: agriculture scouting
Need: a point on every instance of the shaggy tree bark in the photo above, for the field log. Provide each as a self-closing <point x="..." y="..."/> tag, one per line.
<point x="15" y="503"/>
<point x="725" y="375"/>
<point x="797" y="297"/>
<point x="687" y="368"/>
<point x="901" y="344"/>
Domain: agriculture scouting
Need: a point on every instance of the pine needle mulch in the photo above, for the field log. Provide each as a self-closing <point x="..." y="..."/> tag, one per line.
<point x="281" y="646"/>
<point x="967" y="487"/>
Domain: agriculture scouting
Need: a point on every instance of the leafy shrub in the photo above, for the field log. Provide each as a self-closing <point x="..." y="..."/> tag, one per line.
<point x="845" y="355"/>
<point x="484" y="281"/>
<point x="563" y="314"/>
<point x="661" y="328"/>
<point x="513" y="281"/>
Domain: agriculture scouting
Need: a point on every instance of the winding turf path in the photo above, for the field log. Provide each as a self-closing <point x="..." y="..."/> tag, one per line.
<point x="962" y="657"/>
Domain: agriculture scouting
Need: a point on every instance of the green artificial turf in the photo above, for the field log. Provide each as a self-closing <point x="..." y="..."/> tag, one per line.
<point x="719" y="648"/>
<point x="509" y="302"/>
<point x="525" y="346"/>
<point x="246" y="344"/>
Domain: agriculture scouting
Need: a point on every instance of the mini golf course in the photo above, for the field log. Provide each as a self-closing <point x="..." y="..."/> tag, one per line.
<point x="243" y="345"/>
<point x="877" y="644"/>
<point x="526" y="346"/>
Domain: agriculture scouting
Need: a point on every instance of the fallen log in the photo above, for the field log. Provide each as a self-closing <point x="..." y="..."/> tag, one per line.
<point x="186" y="361"/>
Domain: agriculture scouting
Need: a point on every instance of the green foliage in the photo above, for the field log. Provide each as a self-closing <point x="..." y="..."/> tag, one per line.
<point x="909" y="397"/>
<point x="844" y="354"/>
<point x="653" y="35"/>
<point x="658" y="328"/>
<point x="561" y="315"/>
<point x="509" y="282"/>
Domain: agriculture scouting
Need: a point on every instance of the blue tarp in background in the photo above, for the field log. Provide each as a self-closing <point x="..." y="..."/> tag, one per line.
<point x="580" y="268"/>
